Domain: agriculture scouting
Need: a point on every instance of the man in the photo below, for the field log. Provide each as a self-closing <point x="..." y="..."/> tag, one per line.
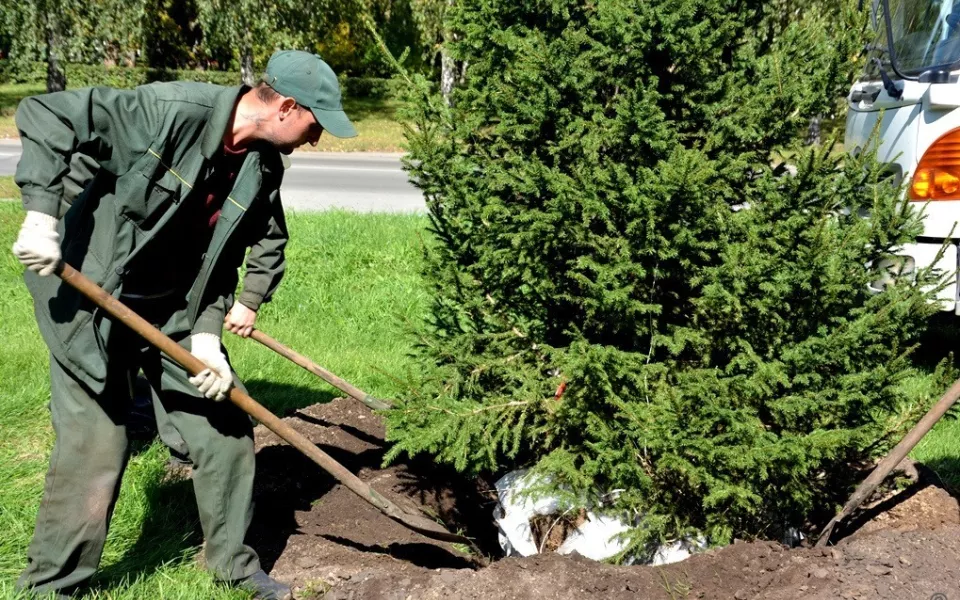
<point x="187" y="178"/>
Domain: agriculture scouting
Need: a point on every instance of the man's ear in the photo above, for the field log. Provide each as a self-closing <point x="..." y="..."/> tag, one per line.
<point x="287" y="107"/>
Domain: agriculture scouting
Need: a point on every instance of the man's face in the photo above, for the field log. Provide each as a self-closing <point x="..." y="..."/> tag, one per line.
<point x="294" y="127"/>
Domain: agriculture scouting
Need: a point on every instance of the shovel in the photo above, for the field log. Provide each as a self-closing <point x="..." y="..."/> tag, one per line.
<point x="893" y="459"/>
<point x="341" y="384"/>
<point x="416" y="522"/>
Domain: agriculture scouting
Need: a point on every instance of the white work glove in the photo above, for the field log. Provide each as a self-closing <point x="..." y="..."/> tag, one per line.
<point x="214" y="382"/>
<point x="38" y="245"/>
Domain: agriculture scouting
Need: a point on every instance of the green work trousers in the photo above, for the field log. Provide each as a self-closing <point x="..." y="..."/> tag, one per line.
<point x="91" y="451"/>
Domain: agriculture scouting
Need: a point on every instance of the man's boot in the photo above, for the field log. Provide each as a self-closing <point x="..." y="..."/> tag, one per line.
<point x="265" y="587"/>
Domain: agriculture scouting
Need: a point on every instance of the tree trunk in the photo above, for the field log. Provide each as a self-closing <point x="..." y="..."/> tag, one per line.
<point x="56" y="78"/>
<point x="448" y="66"/>
<point x="813" y="131"/>
<point x="448" y="74"/>
<point x="246" y="67"/>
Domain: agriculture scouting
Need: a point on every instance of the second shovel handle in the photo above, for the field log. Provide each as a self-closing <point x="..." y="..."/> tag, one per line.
<point x="337" y="382"/>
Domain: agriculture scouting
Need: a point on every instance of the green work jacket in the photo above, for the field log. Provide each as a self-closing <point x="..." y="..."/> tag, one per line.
<point x="152" y="145"/>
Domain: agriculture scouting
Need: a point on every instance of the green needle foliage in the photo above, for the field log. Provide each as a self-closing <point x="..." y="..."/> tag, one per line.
<point x="631" y="291"/>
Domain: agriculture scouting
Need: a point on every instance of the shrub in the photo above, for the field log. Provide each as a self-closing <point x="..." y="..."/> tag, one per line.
<point x="366" y="87"/>
<point x="79" y="75"/>
<point x="631" y="291"/>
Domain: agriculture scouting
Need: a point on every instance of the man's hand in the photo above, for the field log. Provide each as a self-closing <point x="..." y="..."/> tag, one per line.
<point x="38" y="245"/>
<point x="240" y="320"/>
<point x="214" y="382"/>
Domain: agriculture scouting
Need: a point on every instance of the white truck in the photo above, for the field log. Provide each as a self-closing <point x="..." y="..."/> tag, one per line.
<point x="909" y="94"/>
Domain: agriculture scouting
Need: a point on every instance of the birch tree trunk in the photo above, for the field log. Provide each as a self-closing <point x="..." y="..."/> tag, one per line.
<point x="448" y="74"/>
<point x="448" y="67"/>
<point x="814" y="130"/>
<point x="246" y="66"/>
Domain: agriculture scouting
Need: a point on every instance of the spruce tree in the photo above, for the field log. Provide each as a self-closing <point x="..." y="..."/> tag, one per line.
<point x="642" y="282"/>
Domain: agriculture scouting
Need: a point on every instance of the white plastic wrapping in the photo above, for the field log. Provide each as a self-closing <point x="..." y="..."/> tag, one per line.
<point x="596" y="538"/>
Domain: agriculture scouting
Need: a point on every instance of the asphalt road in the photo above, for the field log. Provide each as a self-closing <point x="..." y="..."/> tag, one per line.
<point x="363" y="182"/>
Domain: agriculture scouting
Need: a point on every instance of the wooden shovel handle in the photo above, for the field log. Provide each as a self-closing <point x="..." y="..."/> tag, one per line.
<point x="301" y="360"/>
<point x="893" y="459"/>
<point x="250" y="406"/>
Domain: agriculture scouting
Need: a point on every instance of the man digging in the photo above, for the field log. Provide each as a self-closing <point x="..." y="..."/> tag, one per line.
<point x="188" y="179"/>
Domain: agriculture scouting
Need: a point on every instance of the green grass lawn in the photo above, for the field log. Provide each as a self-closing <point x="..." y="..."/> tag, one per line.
<point x="940" y="449"/>
<point x="10" y="95"/>
<point x="8" y="189"/>
<point x="352" y="283"/>
<point x="351" y="286"/>
<point x="375" y="120"/>
<point x="377" y="129"/>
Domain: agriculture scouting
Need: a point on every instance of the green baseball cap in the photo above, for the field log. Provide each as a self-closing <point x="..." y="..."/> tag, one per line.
<point x="313" y="84"/>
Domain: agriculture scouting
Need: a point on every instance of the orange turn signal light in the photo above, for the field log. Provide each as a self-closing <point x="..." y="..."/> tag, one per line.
<point x="938" y="175"/>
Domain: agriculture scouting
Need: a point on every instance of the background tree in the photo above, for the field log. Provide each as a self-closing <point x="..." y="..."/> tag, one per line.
<point x="233" y="27"/>
<point x="54" y="21"/>
<point x="346" y="41"/>
<point x="848" y="43"/>
<point x="40" y="28"/>
<point x="60" y="31"/>
<point x="171" y="36"/>
<point x="118" y="24"/>
<point x="209" y="34"/>
<point x="630" y="293"/>
<point x="249" y="31"/>
<point x="438" y="36"/>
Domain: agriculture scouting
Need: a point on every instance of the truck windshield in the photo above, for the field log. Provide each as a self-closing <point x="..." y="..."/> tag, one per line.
<point x="921" y="34"/>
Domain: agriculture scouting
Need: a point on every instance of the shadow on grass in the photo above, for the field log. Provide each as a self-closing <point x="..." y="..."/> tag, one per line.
<point x="940" y="344"/>
<point x="946" y="473"/>
<point x="284" y="399"/>
<point x="170" y="532"/>
<point x="279" y="398"/>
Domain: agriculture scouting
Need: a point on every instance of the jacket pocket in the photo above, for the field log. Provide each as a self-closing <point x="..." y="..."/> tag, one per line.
<point x="65" y="316"/>
<point x="151" y="189"/>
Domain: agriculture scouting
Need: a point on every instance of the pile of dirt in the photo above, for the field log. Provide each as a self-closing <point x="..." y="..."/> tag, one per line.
<point x="317" y="535"/>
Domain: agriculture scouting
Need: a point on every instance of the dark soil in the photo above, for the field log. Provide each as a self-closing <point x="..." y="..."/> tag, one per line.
<point x="318" y="536"/>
